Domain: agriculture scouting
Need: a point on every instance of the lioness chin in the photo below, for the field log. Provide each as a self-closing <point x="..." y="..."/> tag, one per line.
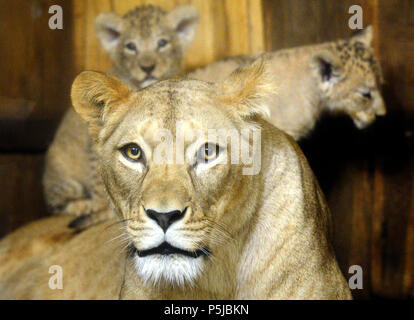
<point x="196" y="224"/>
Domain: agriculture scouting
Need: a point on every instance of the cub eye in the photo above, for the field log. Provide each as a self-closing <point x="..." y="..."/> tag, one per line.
<point x="366" y="95"/>
<point x="132" y="152"/>
<point x="208" y="152"/>
<point x="162" y="43"/>
<point x="131" y="46"/>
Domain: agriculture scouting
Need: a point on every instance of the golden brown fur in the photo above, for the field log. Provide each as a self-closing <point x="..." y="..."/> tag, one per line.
<point x="313" y="79"/>
<point x="267" y="234"/>
<point x="71" y="181"/>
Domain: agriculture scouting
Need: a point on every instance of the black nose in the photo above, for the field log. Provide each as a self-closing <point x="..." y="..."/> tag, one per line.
<point x="148" y="69"/>
<point x="165" y="219"/>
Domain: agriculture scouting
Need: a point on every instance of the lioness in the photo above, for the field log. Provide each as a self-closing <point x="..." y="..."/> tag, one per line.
<point x="146" y="44"/>
<point x="197" y="224"/>
<point x="341" y="77"/>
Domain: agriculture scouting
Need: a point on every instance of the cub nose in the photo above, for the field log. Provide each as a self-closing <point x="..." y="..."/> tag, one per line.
<point x="148" y="69"/>
<point x="165" y="219"/>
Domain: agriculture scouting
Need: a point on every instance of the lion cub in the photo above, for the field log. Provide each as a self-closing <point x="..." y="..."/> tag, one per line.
<point x="342" y="76"/>
<point x="146" y="44"/>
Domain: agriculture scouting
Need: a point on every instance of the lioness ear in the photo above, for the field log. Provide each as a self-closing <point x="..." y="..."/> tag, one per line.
<point x="249" y="89"/>
<point x="108" y="28"/>
<point x="184" y="20"/>
<point x="326" y="67"/>
<point x="364" y="36"/>
<point x="94" y="95"/>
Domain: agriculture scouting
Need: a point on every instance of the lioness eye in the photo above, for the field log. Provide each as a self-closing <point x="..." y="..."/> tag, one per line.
<point x="131" y="46"/>
<point x="162" y="43"/>
<point x="132" y="152"/>
<point x="208" y="152"/>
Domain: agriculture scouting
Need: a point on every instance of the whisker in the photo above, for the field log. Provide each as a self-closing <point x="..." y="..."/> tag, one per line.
<point x="121" y="240"/>
<point x="221" y="229"/>
<point x="126" y="245"/>
<point x="117" y="222"/>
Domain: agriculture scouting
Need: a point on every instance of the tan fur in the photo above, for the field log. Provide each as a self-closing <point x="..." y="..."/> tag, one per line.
<point x="144" y="26"/>
<point x="268" y="234"/>
<point x="303" y="95"/>
<point x="72" y="185"/>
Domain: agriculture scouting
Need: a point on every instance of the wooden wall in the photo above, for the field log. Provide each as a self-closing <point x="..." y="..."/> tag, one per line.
<point x="36" y="65"/>
<point x="36" y="74"/>
<point x="367" y="175"/>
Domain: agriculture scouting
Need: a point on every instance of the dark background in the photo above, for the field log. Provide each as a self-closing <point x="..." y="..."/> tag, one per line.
<point x="367" y="176"/>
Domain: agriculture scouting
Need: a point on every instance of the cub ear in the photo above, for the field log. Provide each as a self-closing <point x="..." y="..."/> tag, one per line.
<point x="248" y="89"/>
<point x="365" y="36"/>
<point x="108" y="28"/>
<point x="94" y="95"/>
<point x="184" y="20"/>
<point x="327" y="67"/>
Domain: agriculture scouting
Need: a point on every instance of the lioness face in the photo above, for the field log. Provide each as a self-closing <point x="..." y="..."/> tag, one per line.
<point x="147" y="43"/>
<point x="173" y="184"/>
<point x="170" y="206"/>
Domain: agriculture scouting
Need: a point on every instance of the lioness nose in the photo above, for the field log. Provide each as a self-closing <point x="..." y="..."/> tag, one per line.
<point x="165" y="219"/>
<point x="148" y="69"/>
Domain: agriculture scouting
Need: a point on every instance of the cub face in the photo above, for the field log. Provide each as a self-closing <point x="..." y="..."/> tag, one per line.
<point x="147" y="44"/>
<point x="175" y="184"/>
<point x="350" y="78"/>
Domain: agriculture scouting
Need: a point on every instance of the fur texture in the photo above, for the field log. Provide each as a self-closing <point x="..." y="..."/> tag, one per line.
<point x="341" y="77"/>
